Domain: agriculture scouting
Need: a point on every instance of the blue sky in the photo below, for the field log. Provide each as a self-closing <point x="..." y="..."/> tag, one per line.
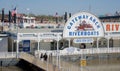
<point x="50" y="7"/>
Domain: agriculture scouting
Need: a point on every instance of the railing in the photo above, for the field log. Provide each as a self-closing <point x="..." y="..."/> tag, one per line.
<point x="7" y="54"/>
<point x="100" y="50"/>
<point x="81" y="51"/>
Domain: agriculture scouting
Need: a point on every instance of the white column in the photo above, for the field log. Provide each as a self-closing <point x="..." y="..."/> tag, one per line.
<point x="108" y="44"/>
<point x="58" y="55"/>
<point x="17" y="51"/>
<point x="38" y="40"/>
<point x="38" y="48"/>
<point x="97" y="42"/>
<point x="69" y="42"/>
<point x="57" y="51"/>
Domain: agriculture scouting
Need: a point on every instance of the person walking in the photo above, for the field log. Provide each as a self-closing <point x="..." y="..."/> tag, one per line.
<point x="41" y="57"/>
<point x="45" y="57"/>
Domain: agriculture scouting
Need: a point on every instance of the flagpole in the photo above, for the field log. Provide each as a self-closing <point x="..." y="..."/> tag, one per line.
<point x="14" y="14"/>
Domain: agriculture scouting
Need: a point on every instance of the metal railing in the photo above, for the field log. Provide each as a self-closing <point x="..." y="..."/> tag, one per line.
<point x="81" y="51"/>
<point x="7" y="54"/>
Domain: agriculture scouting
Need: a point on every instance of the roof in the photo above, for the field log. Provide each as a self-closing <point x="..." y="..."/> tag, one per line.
<point x="109" y="17"/>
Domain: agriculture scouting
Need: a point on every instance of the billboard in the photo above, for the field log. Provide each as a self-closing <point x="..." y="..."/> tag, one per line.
<point x="83" y="24"/>
<point x="111" y="27"/>
<point x="26" y="45"/>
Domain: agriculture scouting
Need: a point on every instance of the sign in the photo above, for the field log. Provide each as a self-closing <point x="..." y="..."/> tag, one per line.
<point x="83" y="40"/>
<point x="48" y="40"/>
<point x="27" y="35"/>
<point x="83" y="24"/>
<point x="83" y="62"/>
<point x="50" y="35"/>
<point x="26" y="45"/>
<point x="112" y="27"/>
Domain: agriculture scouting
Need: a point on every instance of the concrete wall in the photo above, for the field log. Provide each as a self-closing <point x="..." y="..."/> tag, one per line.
<point x="116" y="42"/>
<point x="3" y="44"/>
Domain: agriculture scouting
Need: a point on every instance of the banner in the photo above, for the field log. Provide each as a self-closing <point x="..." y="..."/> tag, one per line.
<point x="83" y="24"/>
<point x="83" y="40"/>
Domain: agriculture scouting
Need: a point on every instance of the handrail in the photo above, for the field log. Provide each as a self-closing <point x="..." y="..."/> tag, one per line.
<point x="81" y="51"/>
<point x="7" y="54"/>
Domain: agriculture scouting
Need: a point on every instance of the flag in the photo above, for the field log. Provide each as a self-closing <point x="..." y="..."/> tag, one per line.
<point x="14" y="11"/>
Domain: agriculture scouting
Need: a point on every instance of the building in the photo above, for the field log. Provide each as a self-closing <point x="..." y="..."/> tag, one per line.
<point x="110" y="18"/>
<point x="111" y="28"/>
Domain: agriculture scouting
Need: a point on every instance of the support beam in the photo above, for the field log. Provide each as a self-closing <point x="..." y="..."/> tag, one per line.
<point x="57" y="53"/>
<point x="108" y="45"/>
<point x="17" y="51"/>
<point x="12" y="46"/>
<point x="38" y="47"/>
<point x="97" y="42"/>
<point x="69" y="42"/>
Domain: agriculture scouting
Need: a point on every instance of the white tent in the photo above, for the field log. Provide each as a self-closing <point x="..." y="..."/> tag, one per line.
<point x="71" y="50"/>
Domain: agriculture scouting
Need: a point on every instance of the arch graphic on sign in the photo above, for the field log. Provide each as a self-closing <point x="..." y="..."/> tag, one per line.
<point x="83" y="24"/>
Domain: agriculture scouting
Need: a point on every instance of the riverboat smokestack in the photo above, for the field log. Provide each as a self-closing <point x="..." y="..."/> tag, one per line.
<point x="2" y="20"/>
<point x="9" y="17"/>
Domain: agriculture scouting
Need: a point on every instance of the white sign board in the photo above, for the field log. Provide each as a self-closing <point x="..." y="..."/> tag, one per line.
<point x="83" y="24"/>
<point x="83" y="40"/>
<point x="48" y="40"/>
<point x="50" y="36"/>
<point x="112" y="26"/>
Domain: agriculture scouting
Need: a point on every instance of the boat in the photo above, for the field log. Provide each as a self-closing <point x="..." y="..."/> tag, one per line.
<point x="27" y="22"/>
<point x="84" y="26"/>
